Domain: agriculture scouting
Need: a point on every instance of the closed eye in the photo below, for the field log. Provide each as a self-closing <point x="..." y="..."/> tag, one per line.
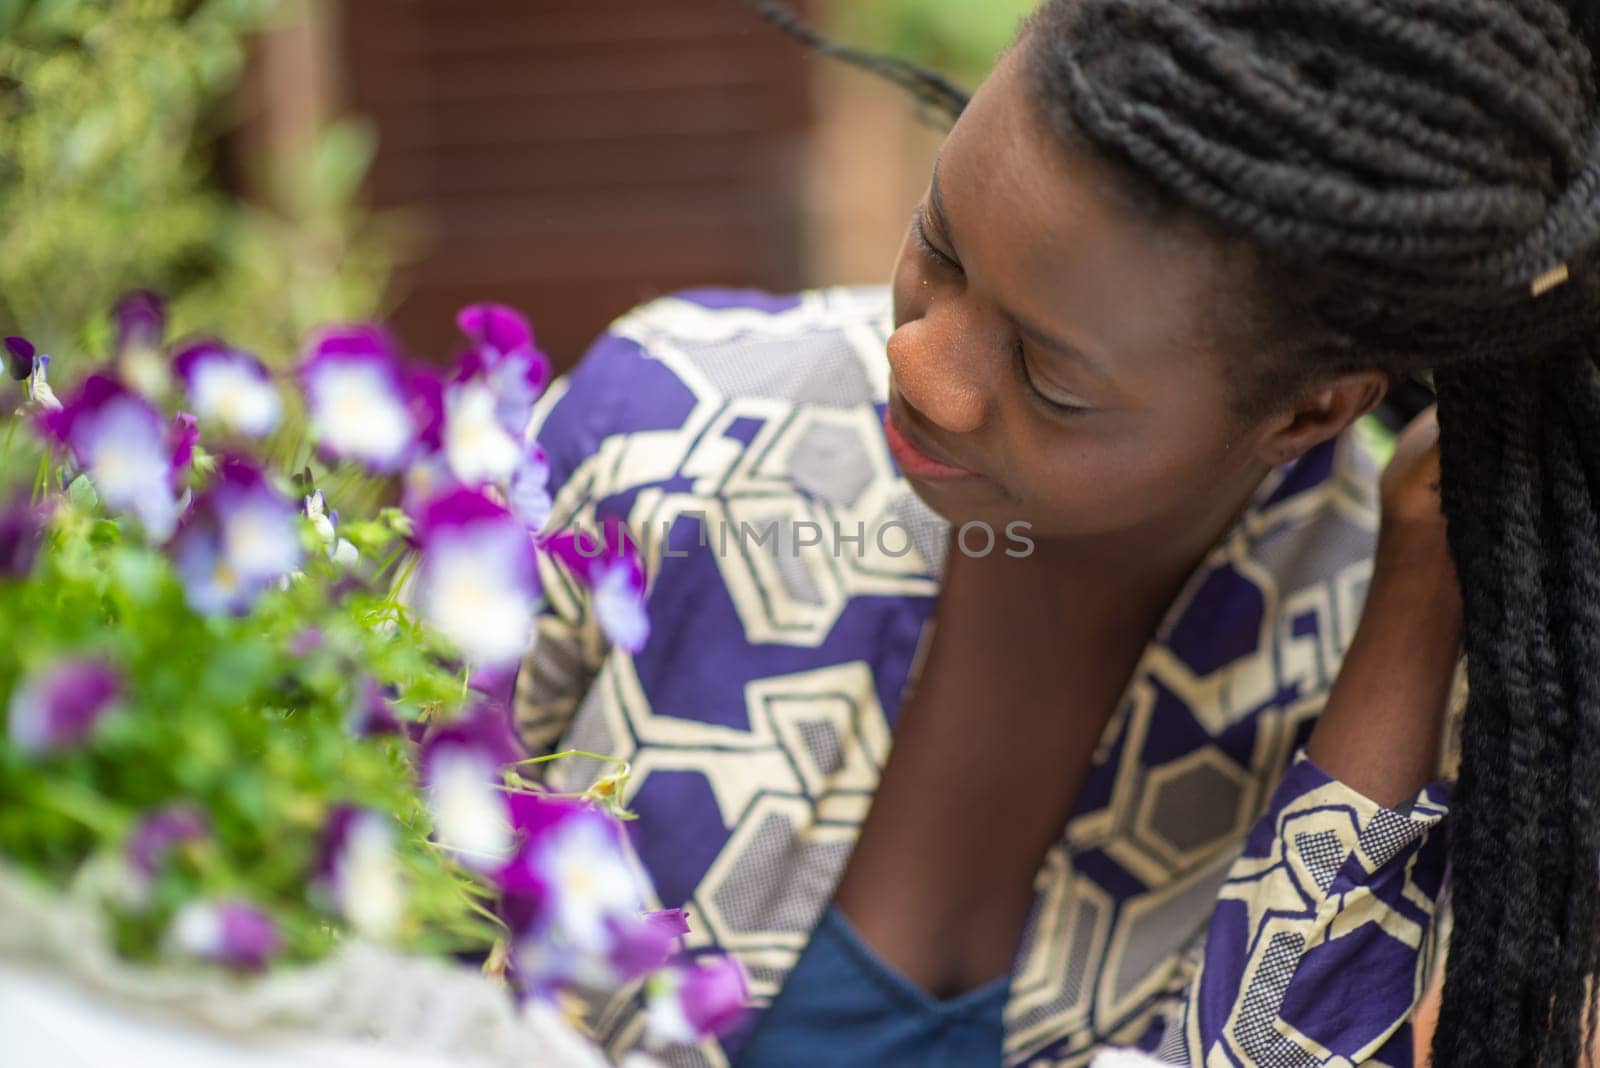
<point x="920" y="231"/>
<point x="1058" y="405"/>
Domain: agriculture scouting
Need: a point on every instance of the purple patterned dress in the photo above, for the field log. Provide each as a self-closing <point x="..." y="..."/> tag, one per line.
<point x="1214" y="898"/>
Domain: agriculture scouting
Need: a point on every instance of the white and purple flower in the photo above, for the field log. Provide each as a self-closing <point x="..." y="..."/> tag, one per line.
<point x="326" y="524"/>
<point x="59" y="707"/>
<point x="574" y="903"/>
<point x="360" y="399"/>
<point x="357" y="871"/>
<point x="477" y="581"/>
<point x="141" y="323"/>
<point x="121" y="443"/>
<point x="693" y="1001"/>
<point x="529" y="491"/>
<point x="230" y="388"/>
<point x="615" y="576"/>
<point x="505" y="354"/>
<point x="231" y="933"/>
<point x="463" y="773"/>
<point x="480" y="451"/>
<point x="241" y="539"/>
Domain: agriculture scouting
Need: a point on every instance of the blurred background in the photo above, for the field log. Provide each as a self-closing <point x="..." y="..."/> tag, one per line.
<point x="274" y="164"/>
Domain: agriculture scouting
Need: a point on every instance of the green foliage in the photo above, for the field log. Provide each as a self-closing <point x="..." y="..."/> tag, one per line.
<point x="109" y="111"/>
<point x="960" y="38"/>
<point x="241" y="718"/>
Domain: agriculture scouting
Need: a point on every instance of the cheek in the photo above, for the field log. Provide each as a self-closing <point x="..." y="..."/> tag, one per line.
<point x="1121" y="479"/>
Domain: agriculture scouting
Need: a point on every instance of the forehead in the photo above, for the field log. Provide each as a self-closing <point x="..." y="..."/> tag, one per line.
<point x="1041" y="226"/>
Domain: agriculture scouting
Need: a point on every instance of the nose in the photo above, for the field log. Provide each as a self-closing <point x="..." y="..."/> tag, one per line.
<point x="939" y="370"/>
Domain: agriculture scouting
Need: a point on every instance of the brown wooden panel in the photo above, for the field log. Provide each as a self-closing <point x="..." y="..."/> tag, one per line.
<point x="572" y="157"/>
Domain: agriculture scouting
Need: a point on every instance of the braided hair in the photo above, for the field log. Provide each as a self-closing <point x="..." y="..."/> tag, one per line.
<point x="1428" y="171"/>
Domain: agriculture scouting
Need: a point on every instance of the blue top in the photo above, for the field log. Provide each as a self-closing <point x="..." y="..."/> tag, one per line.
<point x="844" y="1006"/>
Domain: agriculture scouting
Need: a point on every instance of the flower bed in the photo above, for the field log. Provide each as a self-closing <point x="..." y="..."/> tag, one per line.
<point x="250" y="713"/>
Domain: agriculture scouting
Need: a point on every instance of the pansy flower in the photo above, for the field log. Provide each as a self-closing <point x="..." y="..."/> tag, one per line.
<point x="230" y="388"/>
<point x="480" y="451"/>
<point x="141" y="322"/>
<point x="359" y="398"/>
<point x="121" y="443"/>
<point x="507" y="358"/>
<point x="39" y="390"/>
<point x="615" y="576"/>
<point x="231" y="933"/>
<point x="529" y="491"/>
<point x="240" y="540"/>
<point x="59" y="707"/>
<point x="477" y="580"/>
<point x="690" y="1002"/>
<point x="463" y="766"/>
<point x="357" y="872"/>
<point x="574" y="903"/>
<point x="326" y="524"/>
<point x="19" y="358"/>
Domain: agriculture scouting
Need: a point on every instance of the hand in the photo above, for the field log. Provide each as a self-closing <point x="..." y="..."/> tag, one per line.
<point x="1412" y="547"/>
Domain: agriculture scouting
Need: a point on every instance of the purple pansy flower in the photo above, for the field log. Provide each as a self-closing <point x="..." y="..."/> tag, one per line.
<point x="59" y="707"/>
<point x="21" y="531"/>
<point x="183" y="434"/>
<point x="159" y="833"/>
<point x="478" y="581"/>
<point x="463" y="766"/>
<point x="371" y="713"/>
<point x="574" y="903"/>
<point x="240" y="540"/>
<point x="529" y="491"/>
<point x="357" y="392"/>
<point x="225" y="932"/>
<point x="505" y="354"/>
<point x="120" y="442"/>
<point x="357" y="872"/>
<point x="19" y="357"/>
<point x="615" y="576"/>
<point x="141" y="322"/>
<point x="231" y="388"/>
<point x="691" y="1002"/>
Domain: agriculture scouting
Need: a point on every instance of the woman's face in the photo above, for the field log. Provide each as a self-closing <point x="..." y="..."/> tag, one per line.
<point x="1053" y="359"/>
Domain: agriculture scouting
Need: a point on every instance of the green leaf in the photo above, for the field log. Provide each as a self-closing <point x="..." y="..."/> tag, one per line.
<point x="82" y="495"/>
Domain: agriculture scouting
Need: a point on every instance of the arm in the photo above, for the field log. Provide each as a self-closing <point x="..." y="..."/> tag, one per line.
<point x="1379" y="733"/>
<point x="1318" y="947"/>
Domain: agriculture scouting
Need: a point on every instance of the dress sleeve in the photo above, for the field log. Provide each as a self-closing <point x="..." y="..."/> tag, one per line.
<point x="573" y="421"/>
<point x="1319" y="946"/>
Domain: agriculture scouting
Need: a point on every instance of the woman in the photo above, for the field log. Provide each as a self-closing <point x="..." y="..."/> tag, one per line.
<point x="1023" y="731"/>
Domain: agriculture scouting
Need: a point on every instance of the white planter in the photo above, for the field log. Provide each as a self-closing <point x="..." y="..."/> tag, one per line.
<point x="67" y="1002"/>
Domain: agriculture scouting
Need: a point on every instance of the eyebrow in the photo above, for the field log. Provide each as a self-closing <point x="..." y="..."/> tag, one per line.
<point x="1029" y="330"/>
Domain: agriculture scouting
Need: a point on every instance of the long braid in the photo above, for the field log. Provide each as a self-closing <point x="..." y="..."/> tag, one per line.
<point x="1420" y="167"/>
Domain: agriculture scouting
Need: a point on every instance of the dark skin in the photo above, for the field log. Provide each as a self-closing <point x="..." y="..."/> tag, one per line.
<point x="1066" y="352"/>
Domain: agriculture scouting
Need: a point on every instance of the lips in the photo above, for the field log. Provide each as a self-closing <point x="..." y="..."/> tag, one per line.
<point x="913" y="457"/>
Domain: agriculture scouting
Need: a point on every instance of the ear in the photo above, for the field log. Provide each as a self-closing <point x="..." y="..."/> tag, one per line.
<point x="1319" y="412"/>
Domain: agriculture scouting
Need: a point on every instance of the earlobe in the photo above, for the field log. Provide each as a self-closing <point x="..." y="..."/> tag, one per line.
<point x="1323" y="411"/>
